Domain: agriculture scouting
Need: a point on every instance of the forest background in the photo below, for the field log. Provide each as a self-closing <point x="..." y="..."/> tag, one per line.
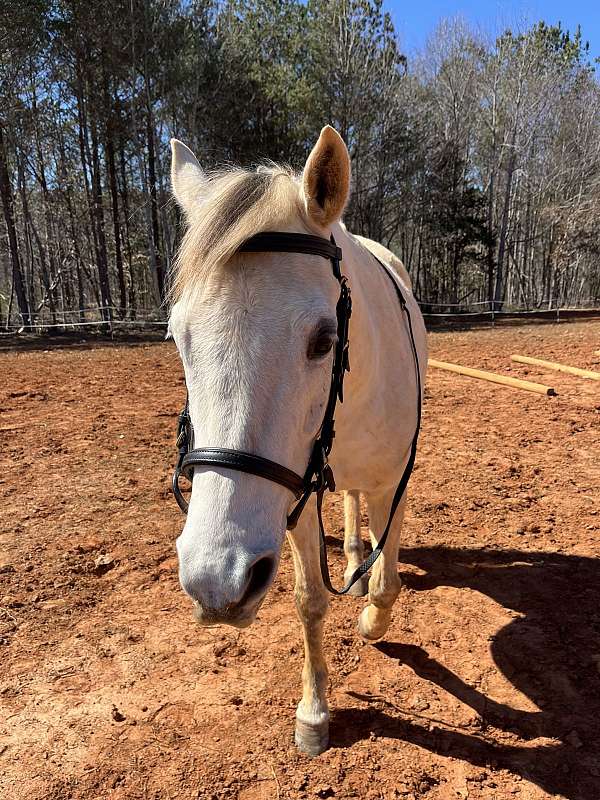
<point x="477" y="159"/>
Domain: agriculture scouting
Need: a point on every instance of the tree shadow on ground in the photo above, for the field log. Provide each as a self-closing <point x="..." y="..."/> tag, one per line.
<point x="551" y="654"/>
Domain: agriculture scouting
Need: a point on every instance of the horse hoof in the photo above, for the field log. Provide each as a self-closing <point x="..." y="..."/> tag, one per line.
<point x="373" y="623"/>
<point x="360" y="588"/>
<point x="312" y="739"/>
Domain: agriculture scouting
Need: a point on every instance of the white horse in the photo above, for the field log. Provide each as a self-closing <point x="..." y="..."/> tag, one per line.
<point x="255" y="332"/>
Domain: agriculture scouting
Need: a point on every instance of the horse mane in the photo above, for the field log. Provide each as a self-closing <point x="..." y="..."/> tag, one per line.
<point x="235" y="204"/>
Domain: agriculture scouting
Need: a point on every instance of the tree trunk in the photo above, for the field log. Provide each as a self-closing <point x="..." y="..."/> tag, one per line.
<point x="103" y="277"/>
<point x="85" y="162"/>
<point x="27" y="258"/>
<point x="52" y="272"/>
<point x="125" y="201"/>
<point x="73" y="226"/>
<point x="490" y="260"/>
<point x="112" y="180"/>
<point x="499" y="287"/>
<point x="9" y="218"/>
<point x="109" y="157"/>
<point x="160" y="273"/>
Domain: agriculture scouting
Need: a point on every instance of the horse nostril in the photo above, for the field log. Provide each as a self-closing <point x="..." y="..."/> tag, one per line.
<point x="260" y="574"/>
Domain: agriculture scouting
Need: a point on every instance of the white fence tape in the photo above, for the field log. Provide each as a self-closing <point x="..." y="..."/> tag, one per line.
<point x="42" y="325"/>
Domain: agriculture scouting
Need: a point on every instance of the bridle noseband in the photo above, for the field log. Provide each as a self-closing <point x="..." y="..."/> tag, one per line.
<point x="318" y="477"/>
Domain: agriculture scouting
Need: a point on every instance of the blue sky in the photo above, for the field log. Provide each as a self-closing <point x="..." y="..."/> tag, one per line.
<point x="415" y="19"/>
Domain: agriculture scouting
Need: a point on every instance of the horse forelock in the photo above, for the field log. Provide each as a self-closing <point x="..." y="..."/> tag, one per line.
<point x="235" y="205"/>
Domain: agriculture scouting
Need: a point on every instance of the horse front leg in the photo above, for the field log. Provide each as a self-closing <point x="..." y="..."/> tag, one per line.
<point x="384" y="584"/>
<point x="353" y="543"/>
<point x="312" y="602"/>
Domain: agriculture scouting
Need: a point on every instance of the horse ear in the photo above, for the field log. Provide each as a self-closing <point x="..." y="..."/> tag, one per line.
<point x="187" y="176"/>
<point x="326" y="178"/>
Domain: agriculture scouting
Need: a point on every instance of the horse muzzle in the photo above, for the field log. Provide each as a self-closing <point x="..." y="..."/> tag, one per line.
<point x="233" y="596"/>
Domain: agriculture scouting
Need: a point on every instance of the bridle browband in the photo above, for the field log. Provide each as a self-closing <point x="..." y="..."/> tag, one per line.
<point x="318" y="477"/>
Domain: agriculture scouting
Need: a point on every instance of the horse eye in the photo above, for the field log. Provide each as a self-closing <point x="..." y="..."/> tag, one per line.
<point x="321" y="344"/>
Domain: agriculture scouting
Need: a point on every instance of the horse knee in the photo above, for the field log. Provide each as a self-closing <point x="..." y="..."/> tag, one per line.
<point x="353" y="550"/>
<point x="311" y="606"/>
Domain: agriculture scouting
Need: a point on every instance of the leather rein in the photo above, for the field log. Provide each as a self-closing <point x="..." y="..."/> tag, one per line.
<point x="318" y="477"/>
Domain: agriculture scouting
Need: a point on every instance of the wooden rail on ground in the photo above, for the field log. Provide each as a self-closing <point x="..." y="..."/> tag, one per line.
<point x="538" y="362"/>
<point x="504" y="380"/>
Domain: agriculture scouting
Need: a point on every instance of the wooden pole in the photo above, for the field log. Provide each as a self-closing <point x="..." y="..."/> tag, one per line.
<point x="504" y="380"/>
<point x="538" y="362"/>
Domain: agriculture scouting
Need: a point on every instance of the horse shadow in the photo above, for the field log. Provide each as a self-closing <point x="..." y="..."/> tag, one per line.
<point x="551" y="654"/>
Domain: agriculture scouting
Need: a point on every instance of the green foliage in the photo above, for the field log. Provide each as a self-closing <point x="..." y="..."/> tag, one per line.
<point x="551" y="43"/>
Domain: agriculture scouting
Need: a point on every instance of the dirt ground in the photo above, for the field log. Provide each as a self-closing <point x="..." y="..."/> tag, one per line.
<point x="486" y="686"/>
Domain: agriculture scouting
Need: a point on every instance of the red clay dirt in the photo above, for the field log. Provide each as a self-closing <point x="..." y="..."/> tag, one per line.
<point x="486" y="686"/>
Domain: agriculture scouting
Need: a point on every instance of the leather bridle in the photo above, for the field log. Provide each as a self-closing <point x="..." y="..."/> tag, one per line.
<point x="318" y="477"/>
